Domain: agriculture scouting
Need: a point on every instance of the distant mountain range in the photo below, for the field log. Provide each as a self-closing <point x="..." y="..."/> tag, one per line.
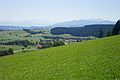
<point x="3" y="27"/>
<point x="29" y="23"/>
<point x="81" y="23"/>
<point x="73" y="23"/>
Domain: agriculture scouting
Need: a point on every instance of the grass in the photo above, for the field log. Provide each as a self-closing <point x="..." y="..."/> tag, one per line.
<point x="11" y="35"/>
<point x="90" y="60"/>
<point x="14" y="47"/>
<point x="6" y="36"/>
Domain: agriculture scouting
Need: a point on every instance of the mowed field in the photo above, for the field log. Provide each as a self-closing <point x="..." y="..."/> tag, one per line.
<point x="89" y="60"/>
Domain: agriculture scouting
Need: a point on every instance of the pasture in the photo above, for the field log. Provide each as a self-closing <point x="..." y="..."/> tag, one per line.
<point x="89" y="60"/>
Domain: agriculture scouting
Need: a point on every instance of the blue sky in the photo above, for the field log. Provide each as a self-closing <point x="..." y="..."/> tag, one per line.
<point x="50" y="11"/>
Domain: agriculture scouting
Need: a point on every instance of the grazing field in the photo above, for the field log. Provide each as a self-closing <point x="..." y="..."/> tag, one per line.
<point x="89" y="60"/>
<point x="14" y="47"/>
<point x="6" y="36"/>
<point x="12" y="35"/>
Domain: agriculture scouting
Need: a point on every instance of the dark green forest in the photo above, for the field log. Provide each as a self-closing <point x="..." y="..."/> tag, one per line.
<point x="88" y="30"/>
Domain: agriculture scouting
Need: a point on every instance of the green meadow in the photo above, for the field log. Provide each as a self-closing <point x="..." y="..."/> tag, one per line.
<point x="88" y="60"/>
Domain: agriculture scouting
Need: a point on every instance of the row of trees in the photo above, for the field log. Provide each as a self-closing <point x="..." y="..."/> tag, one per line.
<point x="88" y="30"/>
<point x="6" y="52"/>
<point x="33" y="32"/>
<point x="24" y="43"/>
<point x="51" y="44"/>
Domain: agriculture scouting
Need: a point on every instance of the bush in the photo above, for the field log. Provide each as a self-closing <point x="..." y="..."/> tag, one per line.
<point x="58" y="43"/>
<point x="109" y="34"/>
<point x="6" y="52"/>
<point x="47" y="45"/>
<point x="10" y="50"/>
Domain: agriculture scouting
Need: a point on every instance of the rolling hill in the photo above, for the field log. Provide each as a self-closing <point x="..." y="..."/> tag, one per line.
<point x="89" y="60"/>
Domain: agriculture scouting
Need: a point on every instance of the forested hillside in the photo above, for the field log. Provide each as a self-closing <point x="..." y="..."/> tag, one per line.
<point x="88" y="30"/>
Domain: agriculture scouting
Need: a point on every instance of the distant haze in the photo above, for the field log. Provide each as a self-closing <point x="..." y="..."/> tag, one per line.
<point x="82" y="23"/>
<point x="47" y="12"/>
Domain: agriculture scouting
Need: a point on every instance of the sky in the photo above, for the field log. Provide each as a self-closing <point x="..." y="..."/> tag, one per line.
<point x="53" y="11"/>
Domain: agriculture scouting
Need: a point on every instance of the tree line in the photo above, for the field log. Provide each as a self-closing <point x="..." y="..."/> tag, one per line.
<point x="50" y="44"/>
<point x="97" y="30"/>
<point x="88" y="30"/>
<point x="33" y="32"/>
<point x="24" y="43"/>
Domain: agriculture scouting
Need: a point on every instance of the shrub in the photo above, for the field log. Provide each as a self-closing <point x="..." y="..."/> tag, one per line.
<point x="58" y="43"/>
<point x="6" y="52"/>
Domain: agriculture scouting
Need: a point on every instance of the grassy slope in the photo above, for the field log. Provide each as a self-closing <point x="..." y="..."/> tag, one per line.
<point x="97" y="59"/>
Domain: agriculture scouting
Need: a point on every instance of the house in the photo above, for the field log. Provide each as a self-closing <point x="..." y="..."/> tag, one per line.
<point x="39" y="46"/>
